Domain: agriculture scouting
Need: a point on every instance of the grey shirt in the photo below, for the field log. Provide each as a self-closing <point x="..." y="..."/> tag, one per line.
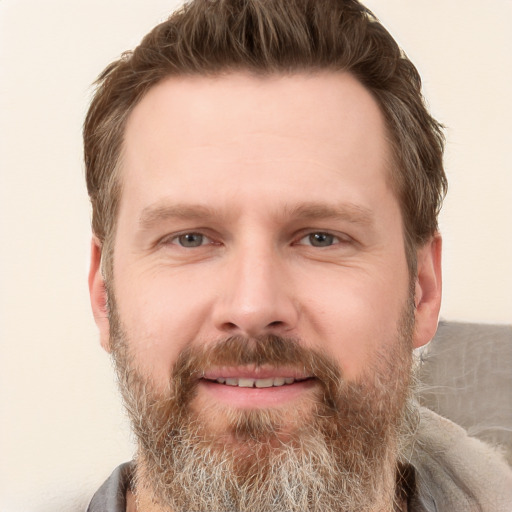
<point x="111" y="496"/>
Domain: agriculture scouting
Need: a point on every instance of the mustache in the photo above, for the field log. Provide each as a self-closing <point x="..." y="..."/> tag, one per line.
<point x="268" y="350"/>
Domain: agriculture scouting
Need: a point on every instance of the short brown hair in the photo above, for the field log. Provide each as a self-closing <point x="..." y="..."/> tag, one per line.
<point x="210" y="37"/>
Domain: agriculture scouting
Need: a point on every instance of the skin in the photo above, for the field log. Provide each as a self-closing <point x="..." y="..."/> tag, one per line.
<point x="256" y="167"/>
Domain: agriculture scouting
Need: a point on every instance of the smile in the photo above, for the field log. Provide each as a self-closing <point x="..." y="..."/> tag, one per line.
<point x="257" y="383"/>
<point x="255" y="387"/>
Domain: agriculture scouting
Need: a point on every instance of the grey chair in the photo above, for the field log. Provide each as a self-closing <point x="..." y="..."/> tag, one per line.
<point x="466" y="376"/>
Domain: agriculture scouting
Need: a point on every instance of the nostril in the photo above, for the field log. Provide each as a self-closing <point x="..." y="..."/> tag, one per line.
<point x="233" y="327"/>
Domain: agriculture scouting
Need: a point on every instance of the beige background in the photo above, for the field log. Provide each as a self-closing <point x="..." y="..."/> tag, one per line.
<point x="62" y="429"/>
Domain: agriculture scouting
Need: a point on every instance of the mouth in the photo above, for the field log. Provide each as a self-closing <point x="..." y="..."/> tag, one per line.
<point x="244" y="382"/>
<point x="255" y="387"/>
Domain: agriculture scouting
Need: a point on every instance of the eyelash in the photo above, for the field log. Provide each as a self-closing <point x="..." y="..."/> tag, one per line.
<point x="174" y="240"/>
<point x="335" y="239"/>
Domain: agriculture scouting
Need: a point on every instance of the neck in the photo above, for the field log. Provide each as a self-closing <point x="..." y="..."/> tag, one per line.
<point x="142" y="502"/>
<point x="131" y="505"/>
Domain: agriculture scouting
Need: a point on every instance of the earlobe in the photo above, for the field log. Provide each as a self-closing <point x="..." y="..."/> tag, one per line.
<point x="98" y="294"/>
<point x="427" y="296"/>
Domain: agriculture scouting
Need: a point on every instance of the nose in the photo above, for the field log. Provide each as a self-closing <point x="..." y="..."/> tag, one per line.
<point x="256" y="296"/>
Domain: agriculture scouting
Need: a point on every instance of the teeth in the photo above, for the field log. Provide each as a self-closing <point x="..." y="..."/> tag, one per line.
<point x="245" y="383"/>
<point x="256" y="383"/>
<point x="264" y="383"/>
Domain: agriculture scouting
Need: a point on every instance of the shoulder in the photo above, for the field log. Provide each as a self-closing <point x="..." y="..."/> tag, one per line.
<point x="111" y="496"/>
<point x="456" y="472"/>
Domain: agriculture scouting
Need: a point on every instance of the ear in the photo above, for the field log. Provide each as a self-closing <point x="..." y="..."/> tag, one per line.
<point x="98" y="294"/>
<point x="427" y="295"/>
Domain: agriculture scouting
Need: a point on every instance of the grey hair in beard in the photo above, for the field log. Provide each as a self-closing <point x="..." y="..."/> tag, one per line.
<point x="341" y="454"/>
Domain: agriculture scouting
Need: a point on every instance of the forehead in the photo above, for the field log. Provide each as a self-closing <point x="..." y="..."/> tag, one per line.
<point x="213" y="136"/>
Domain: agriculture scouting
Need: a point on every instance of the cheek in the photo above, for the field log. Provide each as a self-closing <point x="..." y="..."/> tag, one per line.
<point x="161" y="316"/>
<point x="355" y="318"/>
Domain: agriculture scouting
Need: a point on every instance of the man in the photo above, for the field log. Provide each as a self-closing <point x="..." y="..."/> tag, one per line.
<point x="265" y="182"/>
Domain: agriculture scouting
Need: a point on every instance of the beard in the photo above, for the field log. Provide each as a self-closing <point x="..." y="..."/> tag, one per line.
<point x="338" y="449"/>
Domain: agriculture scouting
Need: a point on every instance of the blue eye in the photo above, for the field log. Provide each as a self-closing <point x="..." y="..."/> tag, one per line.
<point x="190" y="240"/>
<point x="320" y="239"/>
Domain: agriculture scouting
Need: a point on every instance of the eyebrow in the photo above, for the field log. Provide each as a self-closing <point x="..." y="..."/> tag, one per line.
<point x="349" y="212"/>
<point x="154" y="214"/>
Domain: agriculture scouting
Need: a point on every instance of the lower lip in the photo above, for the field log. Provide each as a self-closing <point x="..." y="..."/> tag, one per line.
<point x="254" y="398"/>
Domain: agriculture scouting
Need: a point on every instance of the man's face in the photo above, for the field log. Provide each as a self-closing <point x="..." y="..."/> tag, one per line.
<point x="253" y="206"/>
<point x="253" y="209"/>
